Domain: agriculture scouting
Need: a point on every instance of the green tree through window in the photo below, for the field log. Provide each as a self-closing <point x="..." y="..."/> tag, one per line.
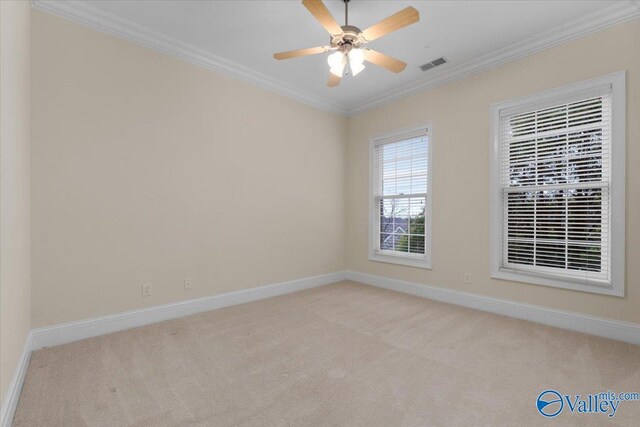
<point x="413" y="241"/>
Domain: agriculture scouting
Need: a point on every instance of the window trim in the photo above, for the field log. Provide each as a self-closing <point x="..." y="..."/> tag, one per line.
<point x="617" y="185"/>
<point x="407" y="260"/>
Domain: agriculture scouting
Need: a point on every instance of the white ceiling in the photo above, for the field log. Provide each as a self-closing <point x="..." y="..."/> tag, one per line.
<point x="249" y="32"/>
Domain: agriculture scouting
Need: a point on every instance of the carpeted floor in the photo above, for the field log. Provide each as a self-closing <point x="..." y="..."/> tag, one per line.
<point x="341" y="355"/>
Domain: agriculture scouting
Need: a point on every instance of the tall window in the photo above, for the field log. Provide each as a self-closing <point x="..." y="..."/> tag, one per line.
<point x="556" y="172"/>
<point x="400" y="204"/>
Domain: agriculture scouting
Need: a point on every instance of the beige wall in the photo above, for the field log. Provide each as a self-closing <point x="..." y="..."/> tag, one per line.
<point x="15" y="241"/>
<point x="149" y="169"/>
<point x="460" y="115"/>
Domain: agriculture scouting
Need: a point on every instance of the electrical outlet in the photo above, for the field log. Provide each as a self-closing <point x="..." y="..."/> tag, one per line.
<point x="467" y="278"/>
<point x="146" y="289"/>
<point x="187" y="284"/>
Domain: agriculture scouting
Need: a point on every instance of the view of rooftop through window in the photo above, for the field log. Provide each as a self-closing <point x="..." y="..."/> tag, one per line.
<point x="402" y="186"/>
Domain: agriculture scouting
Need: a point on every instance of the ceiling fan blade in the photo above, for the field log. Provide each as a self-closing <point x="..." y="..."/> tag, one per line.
<point x="301" y="52"/>
<point x="384" y="61"/>
<point x="333" y="80"/>
<point x="406" y="16"/>
<point x="322" y="14"/>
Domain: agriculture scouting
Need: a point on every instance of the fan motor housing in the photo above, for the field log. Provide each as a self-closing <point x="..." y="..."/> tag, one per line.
<point x="350" y="35"/>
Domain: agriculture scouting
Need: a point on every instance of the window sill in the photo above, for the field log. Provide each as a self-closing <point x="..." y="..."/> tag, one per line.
<point x="406" y="261"/>
<point x="524" y="277"/>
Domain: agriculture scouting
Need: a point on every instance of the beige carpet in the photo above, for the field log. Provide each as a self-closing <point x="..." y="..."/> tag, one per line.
<point x="339" y="355"/>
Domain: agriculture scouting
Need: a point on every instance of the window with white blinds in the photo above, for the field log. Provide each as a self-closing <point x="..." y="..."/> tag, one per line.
<point x="400" y="199"/>
<point x="555" y="186"/>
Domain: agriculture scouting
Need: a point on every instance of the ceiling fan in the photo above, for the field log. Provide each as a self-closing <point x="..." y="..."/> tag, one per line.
<point x="347" y="41"/>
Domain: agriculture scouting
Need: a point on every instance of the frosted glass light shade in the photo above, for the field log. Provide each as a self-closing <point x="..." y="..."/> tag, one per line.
<point x="337" y="62"/>
<point x="356" y="56"/>
<point x="356" y="68"/>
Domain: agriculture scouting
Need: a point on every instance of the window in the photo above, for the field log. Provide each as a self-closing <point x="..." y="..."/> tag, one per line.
<point x="400" y="220"/>
<point x="558" y="187"/>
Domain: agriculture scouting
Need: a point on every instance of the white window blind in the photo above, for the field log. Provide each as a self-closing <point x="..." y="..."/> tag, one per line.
<point x="555" y="167"/>
<point x="400" y="208"/>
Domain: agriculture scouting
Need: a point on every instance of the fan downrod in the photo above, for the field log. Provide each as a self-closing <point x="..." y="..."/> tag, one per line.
<point x="351" y="34"/>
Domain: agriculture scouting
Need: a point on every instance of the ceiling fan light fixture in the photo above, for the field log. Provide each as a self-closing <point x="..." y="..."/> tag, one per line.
<point x="337" y="71"/>
<point x="356" y="61"/>
<point x="356" y="56"/>
<point x="337" y="62"/>
<point x="356" y="67"/>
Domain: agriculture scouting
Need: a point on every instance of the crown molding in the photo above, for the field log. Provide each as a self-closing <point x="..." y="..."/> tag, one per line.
<point x="612" y="15"/>
<point x="90" y="16"/>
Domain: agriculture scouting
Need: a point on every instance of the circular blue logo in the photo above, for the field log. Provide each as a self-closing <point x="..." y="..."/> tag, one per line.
<point x="550" y="403"/>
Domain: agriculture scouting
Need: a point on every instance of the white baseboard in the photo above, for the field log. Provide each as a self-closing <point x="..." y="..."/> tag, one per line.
<point x="612" y="329"/>
<point x="10" y="402"/>
<point x="74" y="331"/>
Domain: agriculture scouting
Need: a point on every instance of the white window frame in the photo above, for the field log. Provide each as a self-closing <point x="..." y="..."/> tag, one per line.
<point x="407" y="260"/>
<point x="616" y="287"/>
